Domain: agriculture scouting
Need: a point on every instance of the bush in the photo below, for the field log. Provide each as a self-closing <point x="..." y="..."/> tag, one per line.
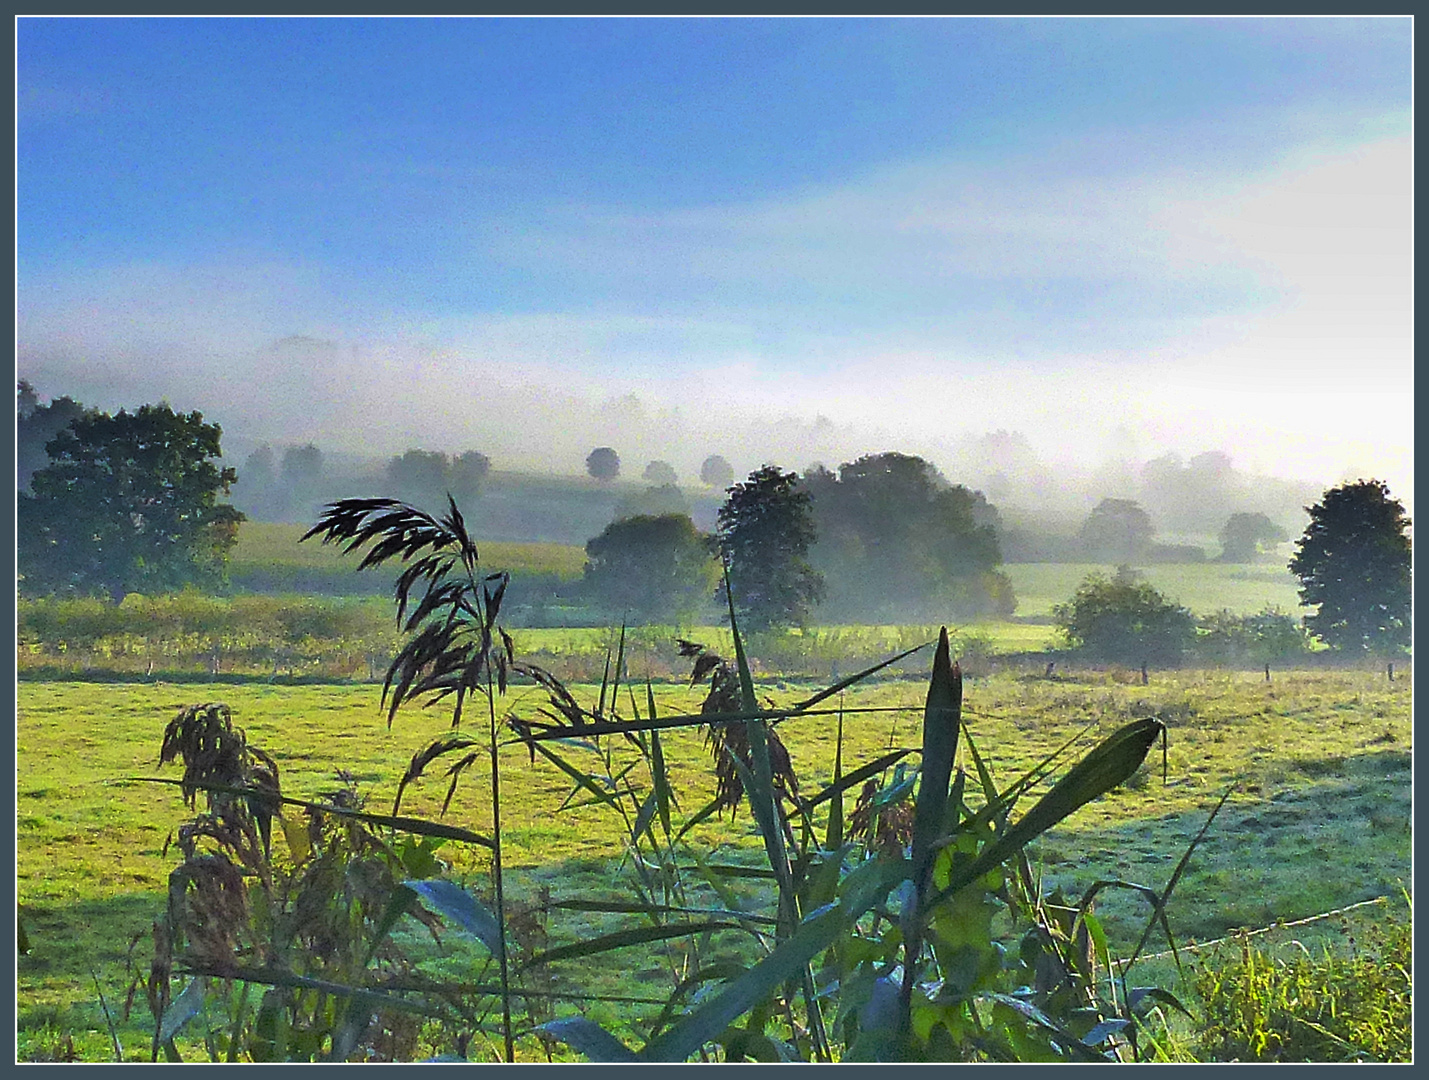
<point x="1229" y="639"/>
<point x="1125" y="619"/>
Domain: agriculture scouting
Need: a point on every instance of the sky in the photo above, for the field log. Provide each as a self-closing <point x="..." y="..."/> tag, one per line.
<point x="1119" y="237"/>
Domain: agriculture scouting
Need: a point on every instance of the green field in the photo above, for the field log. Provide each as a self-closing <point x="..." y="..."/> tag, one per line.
<point x="269" y="558"/>
<point x="1320" y="819"/>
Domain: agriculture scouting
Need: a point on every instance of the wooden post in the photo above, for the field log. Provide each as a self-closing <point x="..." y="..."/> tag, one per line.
<point x="1267" y="672"/>
<point x="1391" y="671"/>
<point x="1145" y="679"/>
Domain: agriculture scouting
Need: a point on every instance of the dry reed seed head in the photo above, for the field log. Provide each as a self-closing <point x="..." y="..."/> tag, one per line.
<point x="208" y="905"/>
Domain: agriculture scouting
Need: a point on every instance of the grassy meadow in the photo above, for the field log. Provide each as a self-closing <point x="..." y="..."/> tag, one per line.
<point x="1320" y="818"/>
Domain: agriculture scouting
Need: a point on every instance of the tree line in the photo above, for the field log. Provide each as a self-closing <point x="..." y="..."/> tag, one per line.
<point x="136" y="503"/>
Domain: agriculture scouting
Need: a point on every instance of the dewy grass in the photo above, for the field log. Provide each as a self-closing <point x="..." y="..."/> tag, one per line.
<point x="1322" y="759"/>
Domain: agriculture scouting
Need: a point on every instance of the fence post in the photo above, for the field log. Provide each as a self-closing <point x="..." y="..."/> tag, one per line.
<point x="1145" y="679"/>
<point x="1267" y="672"/>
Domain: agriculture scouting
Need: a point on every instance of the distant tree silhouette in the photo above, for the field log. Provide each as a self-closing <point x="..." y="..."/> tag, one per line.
<point x="765" y="530"/>
<point x="1116" y="531"/>
<point x="1354" y="563"/>
<point x="716" y="472"/>
<point x="650" y="569"/>
<point x="603" y="463"/>
<point x="652" y="502"/>
<point x="661" y="472"/>
<point x="469" y="471"/>
<point x="260" y="468"/>
<point x="1244" y="536"/>
<point x="302" y="465"/>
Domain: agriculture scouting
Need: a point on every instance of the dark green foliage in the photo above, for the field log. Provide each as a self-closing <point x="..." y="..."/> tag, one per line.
<point x="1354" y="563"/>
<point x="765" y="531"/>
<point x="1116" y="531"/>
<point x="1125" y="619"/>
<point x="128" y="503"/>
<point x="603" y="463"/>
<point x="651" y="569"/>
<point x="1246" y="536"/>
<point x="896" y="542"/>
<point x="35" y="426"/>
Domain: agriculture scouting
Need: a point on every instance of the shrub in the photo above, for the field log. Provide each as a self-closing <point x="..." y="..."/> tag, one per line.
<point x="1125" y="619"/>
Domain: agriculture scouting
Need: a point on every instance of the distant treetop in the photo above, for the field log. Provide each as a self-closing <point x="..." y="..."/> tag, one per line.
<point x="603" y="463"/>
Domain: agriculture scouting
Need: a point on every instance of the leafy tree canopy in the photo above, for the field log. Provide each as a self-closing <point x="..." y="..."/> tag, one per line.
<point x="1354" y="563"/>
<point x="1124" y="619"/>
<point x="765" y="529"/>
<point x="603" y="463"/>
<point x="651" y="569"/>
<point x="128" y="503"/>
<point x="35" y="426"/>
<point x="1245" y="536"/>
<point x="897" y="541"/>
<point x="426" y="477"/>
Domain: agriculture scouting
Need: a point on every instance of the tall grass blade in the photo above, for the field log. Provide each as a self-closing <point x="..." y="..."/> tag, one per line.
<point x="1108" y="765"/>
<point x="450" y="900"/>
<point x="834" y="834"/>
<point x="621" y="939"/>
<point x="589" y="1038"/>
<point x="844" y="684"/>
<point x="859" y="775"/>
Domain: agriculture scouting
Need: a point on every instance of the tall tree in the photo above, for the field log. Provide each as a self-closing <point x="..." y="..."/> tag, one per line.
<point x="765" y="529"/>
<point x="1354" y="563"/>
<point x="650" y="569"/>
<point x="128" y="503"/>
<point x="897" y="541"/>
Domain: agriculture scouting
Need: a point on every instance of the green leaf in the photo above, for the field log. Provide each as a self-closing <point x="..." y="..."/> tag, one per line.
<point x="583" y="780"/>
<point x="621" y="939"/>
<point x="590" y="1039"/>
<point x="1137" y="994"/>
<point x="942" y="720"/>
<point x="709" y="1020"/>
<point x="1107" y="766"/>
<point x="450" y="900"/>
<point x="843" y="684"/>
<point x="858" y="776"/>
<point x="183" y="1009"/>
<point x="397" y="906"/>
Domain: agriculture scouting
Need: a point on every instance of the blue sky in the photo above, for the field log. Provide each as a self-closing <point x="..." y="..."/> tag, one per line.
<point x="1176" y="234"/>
